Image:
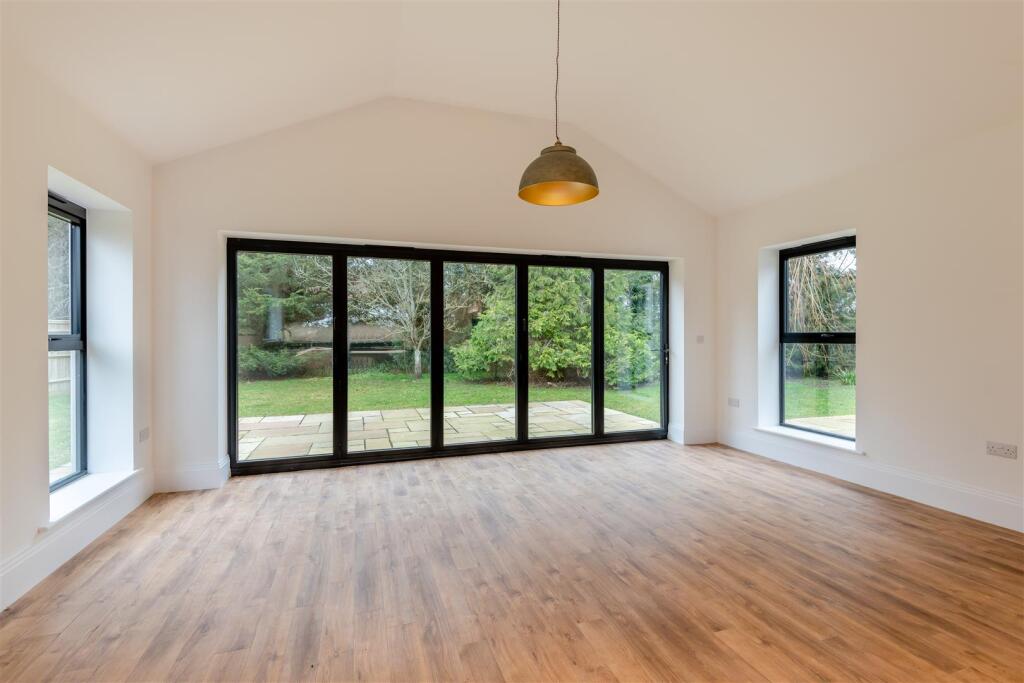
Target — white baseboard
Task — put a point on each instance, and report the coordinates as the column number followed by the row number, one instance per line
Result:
column 971, row 501
column 193, row 478
column 699, row 436
column 675, row 433
column 678, row 434
column 58, row 544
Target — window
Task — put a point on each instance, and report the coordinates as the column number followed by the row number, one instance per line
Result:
column 66, row 341
column 818, row 341
column 437, row 353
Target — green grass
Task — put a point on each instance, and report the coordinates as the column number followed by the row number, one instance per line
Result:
column 819, row 398
column 383, row 391
column 60, row 430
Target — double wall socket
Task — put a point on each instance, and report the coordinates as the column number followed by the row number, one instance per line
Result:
column 1001, row 450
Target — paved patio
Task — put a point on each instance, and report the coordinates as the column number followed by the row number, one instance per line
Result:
column 845, row 425
column 290, row 436
column 60, row 472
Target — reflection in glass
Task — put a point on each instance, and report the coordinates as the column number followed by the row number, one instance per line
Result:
column 821, row 292
column 58, row 270
column 821, row 387
column 560, row 315
column 285, row 349
column 479, row 352
column 388, row 354
column 632, row 350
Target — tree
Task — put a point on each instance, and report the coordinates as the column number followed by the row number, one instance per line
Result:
column 298, row 286
column 559, row 324
column 490, row 348
column 821, row 296
column 58, row 258
column 560, row 316
column 632, row 336
column 394, row 295
column 276, row 290
column 822, row 291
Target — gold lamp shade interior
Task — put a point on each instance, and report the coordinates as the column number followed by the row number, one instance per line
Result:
column 558, row 177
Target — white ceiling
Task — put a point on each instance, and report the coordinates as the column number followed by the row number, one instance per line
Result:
column 728, row 103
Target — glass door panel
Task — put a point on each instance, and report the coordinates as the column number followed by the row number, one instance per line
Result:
column 633, row 350
column 388, row 354
column 479, row 353
column 560, row 302
column 285, row 346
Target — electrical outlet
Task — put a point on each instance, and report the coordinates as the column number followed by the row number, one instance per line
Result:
column 143, row 434
column 734, row 403
column 700, row 338
column 1001, row 450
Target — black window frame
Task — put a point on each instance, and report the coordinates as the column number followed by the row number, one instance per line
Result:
column 787, row 337
column 437, row 258
column 75, row 340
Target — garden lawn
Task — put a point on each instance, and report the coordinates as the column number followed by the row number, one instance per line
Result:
column 60, row 430
column 819, row 398
column 385, row 391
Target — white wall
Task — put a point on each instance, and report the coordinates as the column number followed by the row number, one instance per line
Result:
column 940, row 330
column 110, row 349
column 392, row 170
column 43, row 128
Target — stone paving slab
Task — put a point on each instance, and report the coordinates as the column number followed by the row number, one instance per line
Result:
column 844, row 425
column 290, row 436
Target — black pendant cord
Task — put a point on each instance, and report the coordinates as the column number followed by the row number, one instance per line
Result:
column 558, row 52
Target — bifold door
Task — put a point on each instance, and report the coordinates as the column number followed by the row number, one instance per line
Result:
column 343, row 354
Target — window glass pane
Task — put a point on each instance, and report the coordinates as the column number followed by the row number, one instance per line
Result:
column 632, row 350
column 821, row 292
column 560, row 301
column 479, row 352
column 63, row 402
column 388, row 354
column 819, row 387
column 285, row 355
column 58, row 261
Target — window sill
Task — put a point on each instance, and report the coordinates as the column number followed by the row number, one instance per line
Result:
column 817, row 439
column 67, row 499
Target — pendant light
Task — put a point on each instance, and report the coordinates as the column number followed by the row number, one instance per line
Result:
column 558, row 177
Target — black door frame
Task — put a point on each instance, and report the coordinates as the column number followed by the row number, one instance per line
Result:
column 437, row 258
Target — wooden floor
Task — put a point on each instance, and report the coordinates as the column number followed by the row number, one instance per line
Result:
column 645, row 561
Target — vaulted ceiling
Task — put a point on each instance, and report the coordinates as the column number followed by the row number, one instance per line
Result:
column 727, row 103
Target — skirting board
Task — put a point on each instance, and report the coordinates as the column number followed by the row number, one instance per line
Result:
column 194, row 478
column 57, row 545
column 677, row 434
column 962, row 499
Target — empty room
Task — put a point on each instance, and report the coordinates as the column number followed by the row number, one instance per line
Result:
column 512, row 341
